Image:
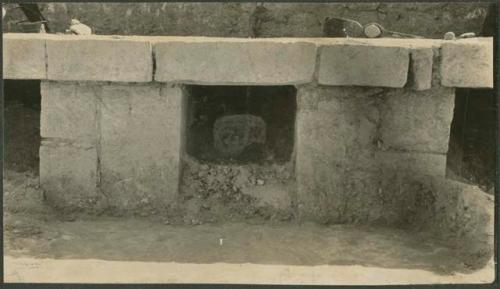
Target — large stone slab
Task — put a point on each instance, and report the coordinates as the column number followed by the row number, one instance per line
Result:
column 467, row 63
column 99, row 59
column 256, row 62
column 24, row 57
column 140, row 144
column 363, row 65
column 69, row 111
column 68, row 174
column 417, row 121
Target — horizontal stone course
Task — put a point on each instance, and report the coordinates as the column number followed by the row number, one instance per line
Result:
column 225, row 61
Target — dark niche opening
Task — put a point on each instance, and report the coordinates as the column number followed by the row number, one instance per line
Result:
column 241, row 124
column 22, row 102
column 472, row 147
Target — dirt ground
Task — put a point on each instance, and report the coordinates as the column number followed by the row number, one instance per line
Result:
column 99, row 271
column 33, row 230
column 286, row 244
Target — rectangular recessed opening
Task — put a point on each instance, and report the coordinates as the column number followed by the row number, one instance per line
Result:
column 22, row 125
column 241, row 124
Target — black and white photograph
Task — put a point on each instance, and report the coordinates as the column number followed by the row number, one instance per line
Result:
column 268, row 143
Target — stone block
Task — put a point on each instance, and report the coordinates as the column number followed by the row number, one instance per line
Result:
column 467, row 63
column 430, row 164
column 24, row 57
column 363, row 65
column 258, row 62
column 417, row 121
column 99, row 59
column 140, row 144
column 69, row 110
column 421, row 68
column 334, row 126
column 68, row 174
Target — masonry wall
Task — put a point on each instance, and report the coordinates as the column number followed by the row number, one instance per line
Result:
column 352, row 143
column 110, row 145
column 371, row 113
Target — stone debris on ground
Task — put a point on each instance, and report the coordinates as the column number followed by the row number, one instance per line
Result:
column 216, row 192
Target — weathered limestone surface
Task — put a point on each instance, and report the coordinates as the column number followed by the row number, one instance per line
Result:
column 126, row 138
column 363, row 65
column 235, row 62
column 421, row 68
column 140, row 144
column 69, row 111
column 431, row 164
column 68, row 174
column 467, row 63
column 24, row 57
column 89, row 59
column 351, row 144
column 417, row 121
column 198, row 60
column 333, row 126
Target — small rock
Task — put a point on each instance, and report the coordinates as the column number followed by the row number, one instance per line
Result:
column 372, row 31
column 204, row 167
column 79, row 28
column 467, row 35
column 260, row 182
column 449, row 35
